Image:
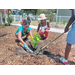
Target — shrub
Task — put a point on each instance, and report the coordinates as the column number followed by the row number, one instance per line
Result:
column 35, row 39
column 64, row 22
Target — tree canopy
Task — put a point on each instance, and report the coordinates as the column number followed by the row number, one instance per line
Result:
column 48, row 12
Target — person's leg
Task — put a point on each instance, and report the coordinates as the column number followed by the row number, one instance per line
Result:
column 26, row 37
column 46, row 33
column 16, row 35
column 41, row 33
column 67, row 50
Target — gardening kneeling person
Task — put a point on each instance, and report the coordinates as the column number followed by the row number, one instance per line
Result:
column 22, row 31
column 45, row 26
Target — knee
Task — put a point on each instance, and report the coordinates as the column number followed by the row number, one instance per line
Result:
column 40, row 32
column 46, row 31
column 16, row 35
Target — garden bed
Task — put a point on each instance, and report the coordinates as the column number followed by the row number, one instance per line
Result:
column 13, row 54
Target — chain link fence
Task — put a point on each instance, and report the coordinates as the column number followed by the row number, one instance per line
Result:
column 62, row 18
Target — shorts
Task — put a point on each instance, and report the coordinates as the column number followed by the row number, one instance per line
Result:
column 71, row 35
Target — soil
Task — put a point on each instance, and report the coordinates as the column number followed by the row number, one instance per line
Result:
column 11, row 53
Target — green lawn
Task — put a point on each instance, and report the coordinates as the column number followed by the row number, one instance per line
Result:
column 35, row 21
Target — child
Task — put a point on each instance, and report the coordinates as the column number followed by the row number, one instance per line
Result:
column 45, row 26
column 22, row 31
column 70, row 38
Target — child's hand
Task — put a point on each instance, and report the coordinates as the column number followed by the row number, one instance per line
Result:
column 46, row 28
column 25, row 45
column 66, row 29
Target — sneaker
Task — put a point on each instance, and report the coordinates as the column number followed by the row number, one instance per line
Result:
column 26, row 39
column 46, row 38
column 64, row 61
column 42, row 38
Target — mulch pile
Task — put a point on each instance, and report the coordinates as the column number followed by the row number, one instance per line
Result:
column 13, row 54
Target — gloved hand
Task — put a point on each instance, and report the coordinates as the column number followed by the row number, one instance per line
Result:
column 25, row 45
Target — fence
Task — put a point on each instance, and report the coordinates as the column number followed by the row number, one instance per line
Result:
column 32, row 17
column 17, row 18
column 1, row 21
column 62, row 18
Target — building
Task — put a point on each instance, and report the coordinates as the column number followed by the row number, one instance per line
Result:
column 63, row 14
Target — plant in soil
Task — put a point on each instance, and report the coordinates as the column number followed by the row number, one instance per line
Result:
column 35, row 40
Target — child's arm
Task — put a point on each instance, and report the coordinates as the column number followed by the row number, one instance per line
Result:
column 38, row 27
column 29, row 33
column 48, row 24
column 70, row 21
column 19, row 37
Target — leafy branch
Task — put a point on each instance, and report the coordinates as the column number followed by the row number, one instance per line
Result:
column 35, row 39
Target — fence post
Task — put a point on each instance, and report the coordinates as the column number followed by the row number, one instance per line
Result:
column 5, row 16
column 1, row 18
column 14, row 18
column 20, row 18
column 59, row 18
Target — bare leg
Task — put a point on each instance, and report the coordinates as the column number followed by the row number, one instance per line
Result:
column 16, row 35
column 67, row 50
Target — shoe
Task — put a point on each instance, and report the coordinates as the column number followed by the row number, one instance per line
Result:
column 46, row 38
column 26, row 39
column 42, row 38
column 64, row 61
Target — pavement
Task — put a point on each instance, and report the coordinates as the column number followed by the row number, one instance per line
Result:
column 51, row 29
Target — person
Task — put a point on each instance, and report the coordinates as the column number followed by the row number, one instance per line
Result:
column 45, row 27
column 28, row 18
column 70, row 37
column 22, row 31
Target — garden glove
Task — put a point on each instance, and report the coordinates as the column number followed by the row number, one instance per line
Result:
column 26, row 47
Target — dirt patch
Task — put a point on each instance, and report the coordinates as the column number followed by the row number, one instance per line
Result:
column 13, row 54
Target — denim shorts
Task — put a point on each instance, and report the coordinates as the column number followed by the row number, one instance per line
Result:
column 71, row 35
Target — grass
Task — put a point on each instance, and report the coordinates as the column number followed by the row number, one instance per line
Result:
column 35, row 21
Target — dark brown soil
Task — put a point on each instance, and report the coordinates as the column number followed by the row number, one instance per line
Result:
column 13, row 54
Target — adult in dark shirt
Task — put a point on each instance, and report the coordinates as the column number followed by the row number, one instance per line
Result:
column 28, row 18
column 70, row 37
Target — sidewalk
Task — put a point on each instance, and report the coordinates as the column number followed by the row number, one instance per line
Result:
column 35, row 27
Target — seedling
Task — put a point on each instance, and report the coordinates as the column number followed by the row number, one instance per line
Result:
column 35, row 40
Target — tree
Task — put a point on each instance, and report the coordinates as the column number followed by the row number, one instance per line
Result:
column 33, row 11
column 3, row 15
column 9, row 12
column 9, row 19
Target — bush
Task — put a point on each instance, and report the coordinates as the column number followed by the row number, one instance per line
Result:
column 35, row 39
column 6, row 24
column 10, row 19
column 64, row 22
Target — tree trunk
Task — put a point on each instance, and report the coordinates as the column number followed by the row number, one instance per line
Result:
column 8, row 18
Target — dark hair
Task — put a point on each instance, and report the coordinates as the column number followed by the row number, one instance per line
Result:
column 25, row 22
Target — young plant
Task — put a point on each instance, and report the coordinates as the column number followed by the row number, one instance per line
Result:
column 64, row 22
column 35, row 39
